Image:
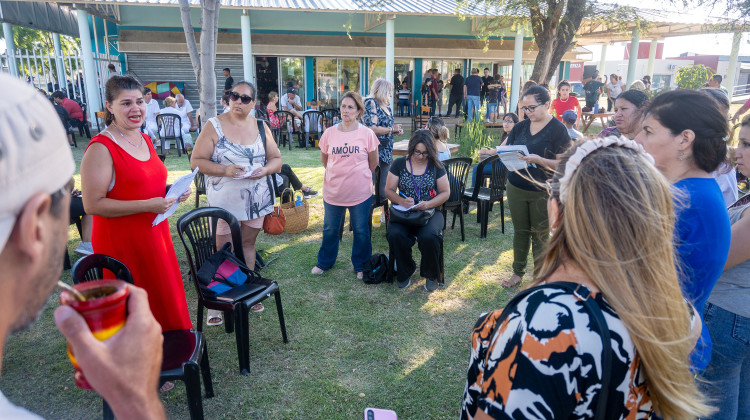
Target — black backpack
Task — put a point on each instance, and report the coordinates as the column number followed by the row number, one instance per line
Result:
column 376, row 270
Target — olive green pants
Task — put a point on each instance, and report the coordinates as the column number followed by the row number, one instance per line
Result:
column 528, row 212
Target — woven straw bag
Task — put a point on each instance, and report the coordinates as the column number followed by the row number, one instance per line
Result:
column 297, row 217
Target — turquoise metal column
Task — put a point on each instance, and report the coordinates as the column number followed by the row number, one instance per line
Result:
column 248, row 65
column 11, row 48
column 417, row 82
column 515, row 84
column 310, row 79
column 633, row 59
column 93, row 100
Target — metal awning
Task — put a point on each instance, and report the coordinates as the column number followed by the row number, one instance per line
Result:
column 51, row 17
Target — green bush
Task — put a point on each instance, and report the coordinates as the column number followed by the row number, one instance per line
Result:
column 693, row 76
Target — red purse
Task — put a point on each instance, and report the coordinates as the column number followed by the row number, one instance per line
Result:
column 274, row 222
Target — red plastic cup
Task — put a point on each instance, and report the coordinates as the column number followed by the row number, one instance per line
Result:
column 105, row 312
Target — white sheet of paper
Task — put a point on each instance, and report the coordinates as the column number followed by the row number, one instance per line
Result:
column 179, row 187
column 402, row 208
column 509, row 157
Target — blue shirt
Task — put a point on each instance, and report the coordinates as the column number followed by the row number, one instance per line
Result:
column 473, row 85
column 703, row 234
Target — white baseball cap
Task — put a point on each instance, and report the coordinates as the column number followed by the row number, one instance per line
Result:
column 34, row 152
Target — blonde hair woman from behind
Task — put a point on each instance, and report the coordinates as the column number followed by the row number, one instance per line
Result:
column 612, row 223
column 440, row 133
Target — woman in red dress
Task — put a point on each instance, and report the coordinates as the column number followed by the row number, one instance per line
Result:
column 124, row 184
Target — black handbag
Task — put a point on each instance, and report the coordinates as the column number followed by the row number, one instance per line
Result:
column 410, row 217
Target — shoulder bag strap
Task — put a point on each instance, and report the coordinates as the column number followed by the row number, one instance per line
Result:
column 270, row 179
column 593, row 308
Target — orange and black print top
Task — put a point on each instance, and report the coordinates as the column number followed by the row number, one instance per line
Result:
column 545, row 362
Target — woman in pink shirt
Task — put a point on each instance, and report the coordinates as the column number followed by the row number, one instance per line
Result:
column 349, row 152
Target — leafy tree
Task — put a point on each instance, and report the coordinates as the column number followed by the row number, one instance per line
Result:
column 693, row 76
column 28, row 39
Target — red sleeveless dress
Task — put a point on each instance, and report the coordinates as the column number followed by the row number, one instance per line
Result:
column 146, row 250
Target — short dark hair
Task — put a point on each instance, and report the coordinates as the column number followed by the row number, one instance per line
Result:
column 512, row 116
column 146, row 90
column 58, row 94
column 718, row 78
column 683, row 109
column 720, row 97
column 540, row 93
column 226, row 69
column 457, row 70
column 486, row 68
column 111, row 66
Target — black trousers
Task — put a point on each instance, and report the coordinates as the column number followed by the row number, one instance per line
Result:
column 401, row 239
column 287, row 171
column 457, row 100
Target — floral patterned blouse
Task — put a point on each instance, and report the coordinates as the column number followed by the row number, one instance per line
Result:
column 273, row 120
column 375, row 116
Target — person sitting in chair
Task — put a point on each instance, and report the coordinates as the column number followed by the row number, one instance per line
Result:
column 418, row 178
column 169, row 108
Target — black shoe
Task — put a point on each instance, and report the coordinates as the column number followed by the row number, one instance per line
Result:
column 310, row 193
column 404, row 284
column 431, row 285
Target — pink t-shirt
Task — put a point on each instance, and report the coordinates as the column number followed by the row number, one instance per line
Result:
column 348, row 179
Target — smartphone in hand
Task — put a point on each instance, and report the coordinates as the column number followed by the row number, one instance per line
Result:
column 379, row 414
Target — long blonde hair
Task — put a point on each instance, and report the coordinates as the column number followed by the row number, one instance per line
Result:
column 382, row 90
column 617, row 226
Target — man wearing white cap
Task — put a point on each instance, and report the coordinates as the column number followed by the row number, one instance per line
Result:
column 36, row 169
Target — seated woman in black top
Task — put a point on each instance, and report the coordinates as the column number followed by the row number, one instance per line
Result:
column 420, row 179
column 545, row 137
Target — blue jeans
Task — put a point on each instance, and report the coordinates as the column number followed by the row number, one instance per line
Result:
column 491, row 109
column 361, row 248
column 404, row 103
column 726, row 380
column 472, row 107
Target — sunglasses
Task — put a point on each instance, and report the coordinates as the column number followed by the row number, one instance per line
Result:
column 530, row 108
column 246, row 99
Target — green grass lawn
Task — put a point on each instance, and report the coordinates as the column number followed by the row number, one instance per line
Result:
column 350, row 346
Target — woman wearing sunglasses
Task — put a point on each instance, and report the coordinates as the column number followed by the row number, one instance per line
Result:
column 545, row 137
column 232, row 155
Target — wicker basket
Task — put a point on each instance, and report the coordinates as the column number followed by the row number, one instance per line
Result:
column 296, row 216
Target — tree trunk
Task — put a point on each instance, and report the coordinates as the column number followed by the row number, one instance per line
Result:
column 203, row 62
column 553, row 35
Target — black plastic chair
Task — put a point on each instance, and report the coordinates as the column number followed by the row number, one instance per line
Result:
column 458, row 172
column 286, row 127
column 313, row 126
column 484, row 196
column 84, row 128
column 377, row 201
column 329, row 116
column 171, row 126
column 199, row 181
column 184, row 352
column 197, row 230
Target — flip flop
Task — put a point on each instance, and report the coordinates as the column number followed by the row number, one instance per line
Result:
column 512, row 281
column 166, row 387
column 216, row 320
column 258, row 307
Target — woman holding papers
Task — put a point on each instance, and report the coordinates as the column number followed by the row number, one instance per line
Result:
column 417, row 181
column 545, row 137
column 232, row 153
column 125, row 183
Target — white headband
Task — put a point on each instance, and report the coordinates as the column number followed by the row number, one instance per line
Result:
column 587, row 148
